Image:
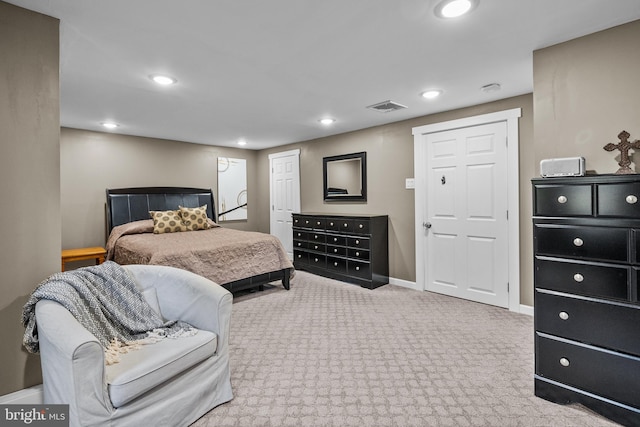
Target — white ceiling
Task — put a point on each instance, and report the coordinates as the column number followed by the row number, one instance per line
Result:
column 268, row 70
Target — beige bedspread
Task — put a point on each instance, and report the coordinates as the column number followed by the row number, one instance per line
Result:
column 219, row 254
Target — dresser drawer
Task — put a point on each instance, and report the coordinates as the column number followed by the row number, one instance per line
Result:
column 602, row 280
column 604, row 373
column 317, row 237
column 605, row 324
column 359, row 242
column 300, row 235
column 336, row 250
column 362, row 254
column 336, row 264
column 318, row 260
column 620, row 200
column 318, row 223
column 359, row 269
column 361, row 226
column 336, row 240
column 316, row 247
column 582, row 242
column 300, row 244
column 300, row 257
column 563, row 200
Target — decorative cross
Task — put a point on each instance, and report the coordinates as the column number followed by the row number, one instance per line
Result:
column 624, row 146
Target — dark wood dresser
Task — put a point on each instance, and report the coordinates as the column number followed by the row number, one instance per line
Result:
column 351, row 248
column 586, row 233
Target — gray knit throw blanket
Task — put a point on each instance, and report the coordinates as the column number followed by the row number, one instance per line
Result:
column 104, row 300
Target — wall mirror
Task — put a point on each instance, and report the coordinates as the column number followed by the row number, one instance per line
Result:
column 345, row 177
column 232, row 189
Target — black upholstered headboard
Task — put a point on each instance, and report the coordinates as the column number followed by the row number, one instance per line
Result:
column 133, row 204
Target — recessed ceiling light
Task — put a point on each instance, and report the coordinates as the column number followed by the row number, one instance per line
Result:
column 327, row 121
column 242, row 142
column 109, row 125
column 430, row 94
column 163, row 80
column 454, row 8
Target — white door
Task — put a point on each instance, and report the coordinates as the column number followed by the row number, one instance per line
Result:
column 285, row 195
column 466, row 205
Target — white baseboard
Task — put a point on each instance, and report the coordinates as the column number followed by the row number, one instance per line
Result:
column 403, row 283
column 26, row 396
column 526, row 309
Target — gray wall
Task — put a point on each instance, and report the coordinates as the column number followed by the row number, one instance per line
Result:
column 586, row 91
column 29, row 178
column 91, row 162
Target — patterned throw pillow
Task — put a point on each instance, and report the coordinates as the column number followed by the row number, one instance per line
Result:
column 167, row 222
column 195, row 218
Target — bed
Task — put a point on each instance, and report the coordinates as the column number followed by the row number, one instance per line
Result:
column 237, row 260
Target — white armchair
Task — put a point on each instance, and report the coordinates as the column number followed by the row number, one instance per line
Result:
column 172, row 382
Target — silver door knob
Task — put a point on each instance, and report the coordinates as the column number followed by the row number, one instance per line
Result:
column 426, row 225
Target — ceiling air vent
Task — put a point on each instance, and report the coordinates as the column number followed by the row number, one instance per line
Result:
column 386, row 106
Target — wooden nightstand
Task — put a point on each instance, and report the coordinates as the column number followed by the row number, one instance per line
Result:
column 81, row 254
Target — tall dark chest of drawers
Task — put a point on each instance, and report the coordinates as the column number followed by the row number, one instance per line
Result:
column 587, row 304
column 351, row 248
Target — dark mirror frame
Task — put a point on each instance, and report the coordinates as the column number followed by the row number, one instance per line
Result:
column 362, row 197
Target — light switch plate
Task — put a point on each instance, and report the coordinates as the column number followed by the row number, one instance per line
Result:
column 410, row 183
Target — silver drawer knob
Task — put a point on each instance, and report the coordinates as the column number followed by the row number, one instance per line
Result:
column 335, row 264
column 631, row 199
column 578, row 277
column 318, row 223
column 361, row 225
column 346, row 225
column 563, row 315
column 335, row 250
column 357, row 242
column 316, row 260
column 562, row 199
column 315, row 247
column 564, row 361
column 335, row 239
column 357, row 268
column 357, row 253
column 331, row 224
column 578, row 241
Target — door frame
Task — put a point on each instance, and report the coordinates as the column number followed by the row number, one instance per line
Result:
column 513, row 192
column 296, row 208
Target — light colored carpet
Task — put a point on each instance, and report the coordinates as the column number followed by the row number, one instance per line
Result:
column 327, row 353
